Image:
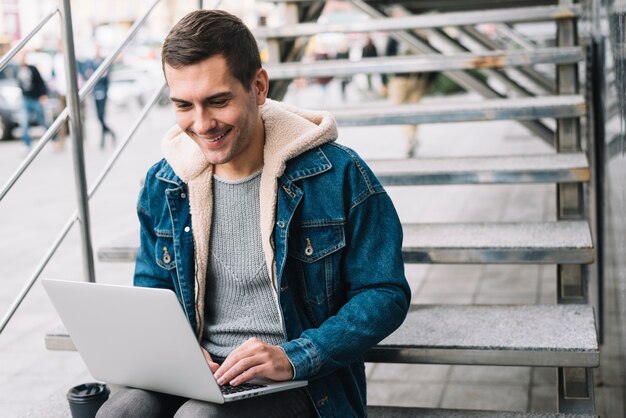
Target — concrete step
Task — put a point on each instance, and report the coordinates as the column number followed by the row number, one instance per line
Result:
column 425, row 63
column 476, row 335
column 119, row 253
column 59, row 340
column 538, row 168
column 562, row 242
column 405, row 412
column 417, row 7
column 506, row 335
column 57, row 406
column 509, row 15
column 446, row 111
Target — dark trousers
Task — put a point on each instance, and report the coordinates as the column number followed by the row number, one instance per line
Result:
column 129, row 402
column 101, row 102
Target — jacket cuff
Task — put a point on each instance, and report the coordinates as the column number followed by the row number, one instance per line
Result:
column 303, row 356
column 293, row 368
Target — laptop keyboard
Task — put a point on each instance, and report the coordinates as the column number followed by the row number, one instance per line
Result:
column 229, row 390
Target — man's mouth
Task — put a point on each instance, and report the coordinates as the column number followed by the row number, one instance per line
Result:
column 217, row 138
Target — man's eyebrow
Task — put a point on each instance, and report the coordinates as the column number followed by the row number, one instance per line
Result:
column 174, row 99
column 217, row 96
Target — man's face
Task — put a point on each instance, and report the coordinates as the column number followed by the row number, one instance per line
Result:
column 217, row 112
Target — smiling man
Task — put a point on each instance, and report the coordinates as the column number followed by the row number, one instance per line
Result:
column 281, row 245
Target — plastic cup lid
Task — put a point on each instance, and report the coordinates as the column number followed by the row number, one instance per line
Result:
column 87, row 391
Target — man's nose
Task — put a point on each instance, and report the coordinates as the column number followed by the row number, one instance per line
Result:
column 203, row 121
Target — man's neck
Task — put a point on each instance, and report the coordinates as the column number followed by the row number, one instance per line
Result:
column 229, row 172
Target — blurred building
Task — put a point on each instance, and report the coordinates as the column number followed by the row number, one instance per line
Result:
column 105, row 21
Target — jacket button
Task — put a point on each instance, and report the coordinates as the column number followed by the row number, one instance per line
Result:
column 309, row 248
column 187, row 229
column 183, row 195
column 166, row 256
column 280, row 224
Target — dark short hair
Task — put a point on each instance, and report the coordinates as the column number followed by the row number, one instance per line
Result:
column 202, row 34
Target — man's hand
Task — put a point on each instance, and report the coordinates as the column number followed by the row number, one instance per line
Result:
column 254, row 358
column 212, row 365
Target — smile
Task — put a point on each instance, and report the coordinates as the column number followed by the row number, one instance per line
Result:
column 220, row 137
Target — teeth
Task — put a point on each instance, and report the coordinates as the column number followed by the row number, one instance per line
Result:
column 219, row 137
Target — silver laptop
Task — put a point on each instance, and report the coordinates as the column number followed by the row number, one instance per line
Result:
column 140, row 337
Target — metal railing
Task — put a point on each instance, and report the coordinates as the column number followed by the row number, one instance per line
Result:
column 72, row 111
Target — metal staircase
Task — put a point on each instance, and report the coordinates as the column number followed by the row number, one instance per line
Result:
column 561, row 335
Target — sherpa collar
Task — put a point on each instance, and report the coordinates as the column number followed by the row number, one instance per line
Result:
column 289, row 131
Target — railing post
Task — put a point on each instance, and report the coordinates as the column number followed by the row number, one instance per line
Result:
column 575, row 385
column 76, row 132
column 596, row 68
column 572, row 278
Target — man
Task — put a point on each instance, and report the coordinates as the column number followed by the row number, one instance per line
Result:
column 100, row 93
column 407, row 88
column 369, row 51
column 281, row 245
column 34, row 91
column 344, row 54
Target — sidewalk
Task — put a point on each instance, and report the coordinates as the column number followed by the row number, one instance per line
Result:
column 34, row 212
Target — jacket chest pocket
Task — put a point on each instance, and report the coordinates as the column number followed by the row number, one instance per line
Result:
column 316, row 251
column 164, row 250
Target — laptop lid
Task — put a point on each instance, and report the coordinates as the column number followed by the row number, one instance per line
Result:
column 139, row 337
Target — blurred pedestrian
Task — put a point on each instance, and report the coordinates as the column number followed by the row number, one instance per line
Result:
column 406, row 88
column 59, row 86
column 369, row 51
column 34, row 92
column 344, row 54
column 322, row 55
column 100, row 92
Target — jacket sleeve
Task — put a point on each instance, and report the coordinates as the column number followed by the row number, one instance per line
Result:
column 378, row 294
column 147, row 272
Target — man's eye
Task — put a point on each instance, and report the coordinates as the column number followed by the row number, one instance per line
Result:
column 182, row 106
column 220, row 103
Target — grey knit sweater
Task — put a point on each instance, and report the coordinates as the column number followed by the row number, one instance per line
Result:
column 239, row 300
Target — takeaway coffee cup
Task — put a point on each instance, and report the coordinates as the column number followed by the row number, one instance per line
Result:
column 86, row 399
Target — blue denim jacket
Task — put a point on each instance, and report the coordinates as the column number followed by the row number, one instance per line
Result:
column 337, row 241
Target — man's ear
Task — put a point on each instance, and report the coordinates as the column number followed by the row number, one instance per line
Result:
column 260, row 86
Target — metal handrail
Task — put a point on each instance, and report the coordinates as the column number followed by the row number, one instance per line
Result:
column 144, row 112
column 74, row 217
column 6, row 58
column 55, row 126
column 45, row 138
column 106, row 64
column 78, row 152
column 84, row 91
